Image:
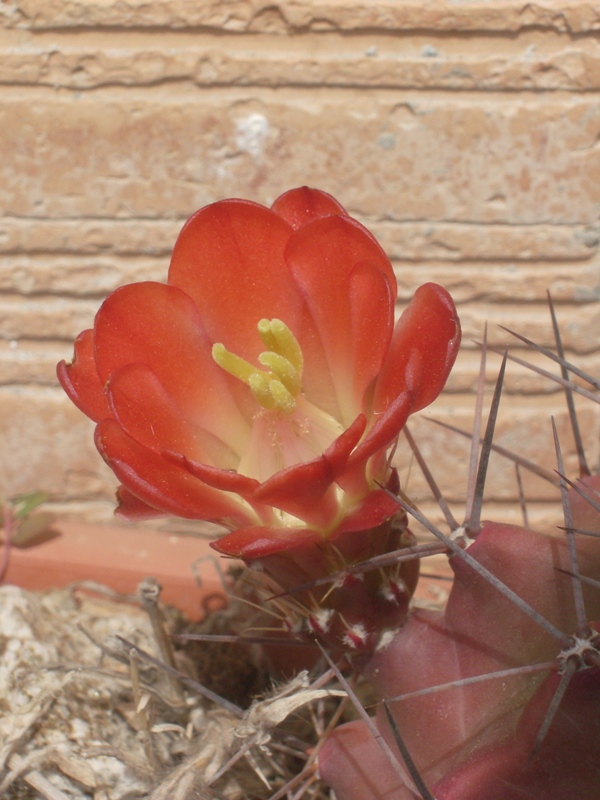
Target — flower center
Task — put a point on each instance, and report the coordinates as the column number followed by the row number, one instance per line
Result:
column 277, row 387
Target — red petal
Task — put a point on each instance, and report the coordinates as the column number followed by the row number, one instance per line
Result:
column 301, row 490
column 161, row 484
column 423, row 349
column 225, row 480
column 147, row 412
column 300, row 206
column 258, row 542
column 229, row 259
column 80, row 379
column 349, row 287
column 384, row 431
column 294, row 556
column 132, row 508
column 375, row 508
column 159, row 326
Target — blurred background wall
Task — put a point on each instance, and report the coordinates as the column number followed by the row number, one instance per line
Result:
column 466, row 135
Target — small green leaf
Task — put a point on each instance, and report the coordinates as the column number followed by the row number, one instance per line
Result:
column 31, row 529
column 26, row 503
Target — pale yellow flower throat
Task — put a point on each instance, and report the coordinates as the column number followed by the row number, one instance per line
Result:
column 277, row 387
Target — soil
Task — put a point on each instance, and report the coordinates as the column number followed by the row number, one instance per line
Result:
column 86, row 714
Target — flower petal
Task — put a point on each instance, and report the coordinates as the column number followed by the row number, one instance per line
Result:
column 229, row 260
column 349, row 287
column 80, row 379
column 383, row 433
column 376, row 507
column 259, row 542
column 163, row 485
column 132, row 508
column 301, row 490
column 225, row 480
column 147, row 412
column 158, row 325
column 423, row 349
column 300, row 206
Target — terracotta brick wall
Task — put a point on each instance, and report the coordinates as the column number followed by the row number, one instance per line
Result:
column 464, row 134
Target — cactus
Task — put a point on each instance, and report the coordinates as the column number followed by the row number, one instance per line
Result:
column 287, row 444
column 497, row 697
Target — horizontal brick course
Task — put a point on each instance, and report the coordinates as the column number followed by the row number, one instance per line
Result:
column 409, row 241
column 538, row 60
column 287, row 16
column 530, row 161
column 465, row 135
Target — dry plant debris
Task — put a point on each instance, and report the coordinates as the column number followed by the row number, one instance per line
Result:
column 88, row 711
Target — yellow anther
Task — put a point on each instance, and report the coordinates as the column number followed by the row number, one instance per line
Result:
column 287, row 344
column 231, row 363
column 277, row 388
column 284, row 369
column 284, row 400
column 278, row 338
column 260, row 387
column 266, row 334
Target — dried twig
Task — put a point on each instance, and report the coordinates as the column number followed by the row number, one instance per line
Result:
column 22, row 768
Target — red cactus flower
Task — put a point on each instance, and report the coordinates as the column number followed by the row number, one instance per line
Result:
column 263, row 385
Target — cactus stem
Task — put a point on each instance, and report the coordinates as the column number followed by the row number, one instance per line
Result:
column 484, row 573
column 364, row 715
column 583, row 578
column 279, row 614
column 406, row 757
column 356, row 635
column 387, row 559
column 546, row 666
column 562, row 687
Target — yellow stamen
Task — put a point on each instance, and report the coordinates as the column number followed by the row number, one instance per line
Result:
column 284, row 400
column 260, row 387
column 231, row 363
column 266, row 334
column 287, row 344
column 284, row 369
column 277, row 388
